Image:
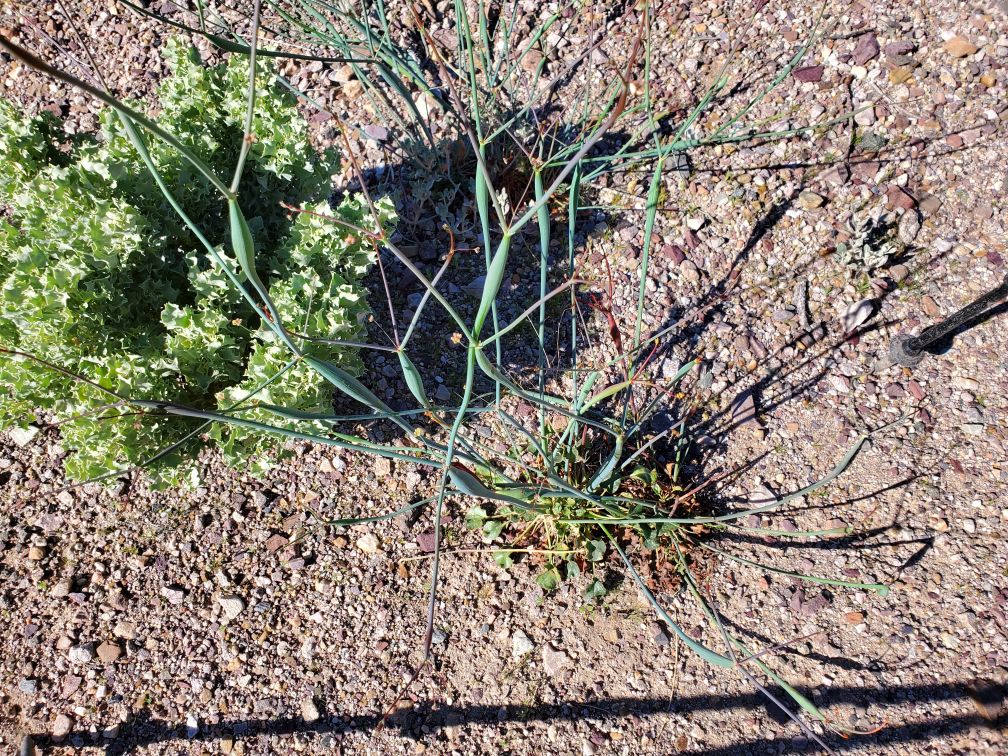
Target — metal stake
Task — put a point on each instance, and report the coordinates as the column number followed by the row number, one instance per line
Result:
column 909, row 350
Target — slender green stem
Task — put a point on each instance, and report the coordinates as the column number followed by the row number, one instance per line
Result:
column 32, row 60
column 248, row 136
column 544, row 243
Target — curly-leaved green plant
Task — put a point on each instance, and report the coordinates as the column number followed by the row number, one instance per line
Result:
column 100, row 276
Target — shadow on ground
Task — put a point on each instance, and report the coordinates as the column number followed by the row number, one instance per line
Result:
column 966, row 699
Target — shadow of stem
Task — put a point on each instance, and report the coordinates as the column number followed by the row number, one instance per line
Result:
column 427, row 720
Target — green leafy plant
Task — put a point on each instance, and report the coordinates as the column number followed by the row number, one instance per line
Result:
column 573, row 480
column 100, row 276
column 871, row 243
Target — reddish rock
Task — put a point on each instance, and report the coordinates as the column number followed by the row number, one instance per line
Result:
column 866, row 170
column 275, row 542
column 426, row 541
column 900, row 197
column 808, row 74
column 109, row 652
column 959, row 47
column 895, row 391
column 376, row 132
column 929, row 205
column 692, row 240
column 674, row 253
column 899, row 47
column 838, row 175
column 866, row 49
column 930, row 307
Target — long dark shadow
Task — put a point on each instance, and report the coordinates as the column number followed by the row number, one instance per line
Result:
column 144, row 731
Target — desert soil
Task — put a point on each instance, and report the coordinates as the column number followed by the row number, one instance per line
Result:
column 231, row 619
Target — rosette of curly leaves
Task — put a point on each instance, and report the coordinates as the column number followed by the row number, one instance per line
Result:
column 99, row 275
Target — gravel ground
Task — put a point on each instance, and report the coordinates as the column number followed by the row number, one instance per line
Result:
column 229, row 619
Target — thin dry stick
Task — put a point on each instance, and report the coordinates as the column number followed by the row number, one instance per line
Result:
column 444, row 552
column 374, row 213
column 332, row 219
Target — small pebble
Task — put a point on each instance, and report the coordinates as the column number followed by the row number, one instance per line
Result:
column 520, row 644
column 61, row 726
column 368, row 543
column 309, row 711
column 232, row 606
column 109, row 652
column 554, row 660
column 959, row 47
column 810, row 200
column 81, row 654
